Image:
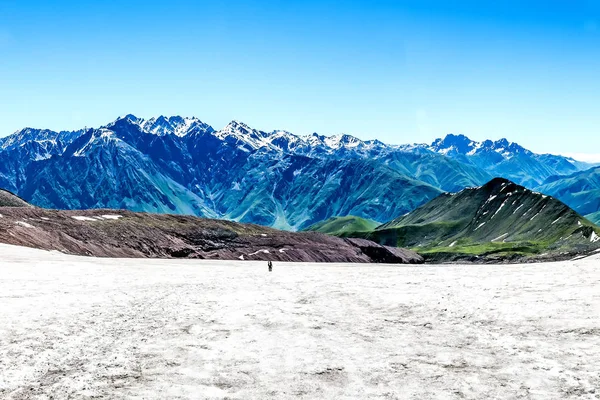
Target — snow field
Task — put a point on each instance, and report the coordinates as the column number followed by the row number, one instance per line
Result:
column 75, row 327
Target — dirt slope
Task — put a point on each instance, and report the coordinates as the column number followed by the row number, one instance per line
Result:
column 110, row 233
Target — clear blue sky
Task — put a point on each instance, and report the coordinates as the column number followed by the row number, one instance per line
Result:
column 399, row 71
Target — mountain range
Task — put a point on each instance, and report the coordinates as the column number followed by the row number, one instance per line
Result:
column 278, row 179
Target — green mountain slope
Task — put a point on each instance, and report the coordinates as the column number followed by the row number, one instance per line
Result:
column 500, row 218
column 340, row 226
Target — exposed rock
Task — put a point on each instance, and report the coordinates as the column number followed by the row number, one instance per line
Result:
column 111, row 233
column 386, row 254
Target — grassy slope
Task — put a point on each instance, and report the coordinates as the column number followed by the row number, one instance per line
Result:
column 341, row 226
column 501, row 219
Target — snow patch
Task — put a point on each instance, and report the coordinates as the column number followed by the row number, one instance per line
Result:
column 499, row 208
column 491, row 198
column 112, row 216
column 517, row 209
column 500, row 237
column 82, row 218
column 259, row 251
column 24, row 224
column 538, row 213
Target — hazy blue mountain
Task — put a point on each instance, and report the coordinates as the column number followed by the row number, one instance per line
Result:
column 506, row 159
column 594, row 217
column 580, row 190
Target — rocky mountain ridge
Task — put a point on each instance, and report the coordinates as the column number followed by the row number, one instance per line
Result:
column 183, row 165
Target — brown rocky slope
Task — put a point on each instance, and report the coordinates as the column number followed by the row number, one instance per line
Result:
column 111, row 233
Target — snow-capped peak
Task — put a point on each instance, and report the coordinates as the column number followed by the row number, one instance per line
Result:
column 161, row 126
column 462, row 145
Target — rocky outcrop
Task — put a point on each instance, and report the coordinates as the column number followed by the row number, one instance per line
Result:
column 386, row 254
column 111, row 233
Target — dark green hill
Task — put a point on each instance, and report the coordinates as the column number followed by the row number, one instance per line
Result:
column 500, row 218
column 341, row 226
column 7, row 199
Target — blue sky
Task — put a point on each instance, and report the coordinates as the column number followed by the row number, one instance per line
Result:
column 399, row 71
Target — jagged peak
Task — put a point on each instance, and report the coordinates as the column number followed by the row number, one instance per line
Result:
column 163, row 125
column 461, row 144
column 236, row 124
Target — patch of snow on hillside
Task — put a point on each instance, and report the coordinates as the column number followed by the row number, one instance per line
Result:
column 594, row 238
column 82, row 218
column 452, row 244
column 259, row 251
column 24, row 224
column 517, row 209
column 480, row 225
column 539, row 212
column 556, row 220
column 500, row 237
column 499, row 208
column 491, row 198
column 111, row 216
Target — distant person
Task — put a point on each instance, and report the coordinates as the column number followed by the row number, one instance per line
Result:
column 270, row 264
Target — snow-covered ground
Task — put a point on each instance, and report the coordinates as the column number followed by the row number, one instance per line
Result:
column 80, row 328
